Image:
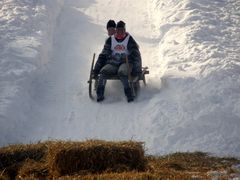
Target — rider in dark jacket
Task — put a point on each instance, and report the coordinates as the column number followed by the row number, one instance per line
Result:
column 134, row 53
column 101, row 61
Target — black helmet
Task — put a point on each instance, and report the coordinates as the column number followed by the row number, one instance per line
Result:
column 121, row 24
column 111, row 24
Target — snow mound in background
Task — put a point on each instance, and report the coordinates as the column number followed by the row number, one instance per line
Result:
column 200, row 53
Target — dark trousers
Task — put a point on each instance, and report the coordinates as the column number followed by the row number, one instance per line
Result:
column 108, row 70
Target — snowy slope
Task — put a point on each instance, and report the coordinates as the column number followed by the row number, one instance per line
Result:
column 192, row 47
column 26, row 34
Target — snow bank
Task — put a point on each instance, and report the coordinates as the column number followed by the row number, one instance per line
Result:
column 26, row 34
column 198, row 106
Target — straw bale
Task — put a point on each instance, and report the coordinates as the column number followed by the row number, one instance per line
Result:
column 18, row 153
column 95, row 156
column 12, row 157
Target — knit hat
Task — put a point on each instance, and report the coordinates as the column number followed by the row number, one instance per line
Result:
column 121, row 24
column 111, row 24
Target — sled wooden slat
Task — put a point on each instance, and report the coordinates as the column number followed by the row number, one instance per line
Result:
column 140, row 77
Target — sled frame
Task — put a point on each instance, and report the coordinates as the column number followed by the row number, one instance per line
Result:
column 134, row 81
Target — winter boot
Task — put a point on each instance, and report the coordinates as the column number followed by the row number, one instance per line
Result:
column 129, row 95
column 100, row 93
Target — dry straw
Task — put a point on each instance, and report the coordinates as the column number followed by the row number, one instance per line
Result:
column 96, row 159
column 94, row 156
column 33, row 169
column 13, row 157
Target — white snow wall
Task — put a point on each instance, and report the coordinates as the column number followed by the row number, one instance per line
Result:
column 27, row 28
column 198, row 107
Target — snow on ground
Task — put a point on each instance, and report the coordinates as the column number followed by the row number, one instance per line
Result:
column 192, row 47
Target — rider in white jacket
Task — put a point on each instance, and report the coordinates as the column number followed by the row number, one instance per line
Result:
column 117, row 48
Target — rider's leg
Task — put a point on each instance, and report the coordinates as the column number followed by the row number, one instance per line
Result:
column 107, row 70
column 123, row 73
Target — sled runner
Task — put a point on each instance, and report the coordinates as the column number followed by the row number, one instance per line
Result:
column 134, row 81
